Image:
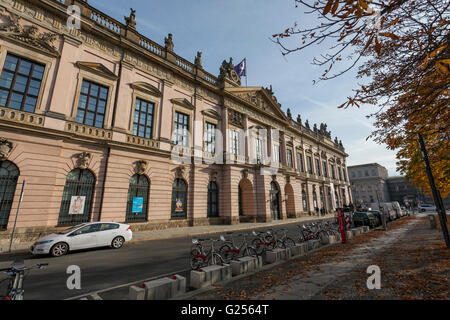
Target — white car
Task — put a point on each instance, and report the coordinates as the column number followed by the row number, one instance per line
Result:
column 84, row 236
column 426, row 207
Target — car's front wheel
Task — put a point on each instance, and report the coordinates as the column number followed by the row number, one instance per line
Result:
column 117, row 242
column 59, row 249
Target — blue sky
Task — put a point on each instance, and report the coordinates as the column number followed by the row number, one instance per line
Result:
column 243, row 29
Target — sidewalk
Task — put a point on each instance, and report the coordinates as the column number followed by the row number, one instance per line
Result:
column 414, row 265
column 190, row 231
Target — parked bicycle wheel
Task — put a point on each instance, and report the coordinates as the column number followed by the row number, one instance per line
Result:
column 259, row 245
column 196, row 263
column 289, row 242
column 215, row 259
column 251, row 252
column 227, row 253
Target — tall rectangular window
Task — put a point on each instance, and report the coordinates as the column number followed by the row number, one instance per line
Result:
column 310, row 164
column 276, row 153
column 210, row 137
column 325, row 169
column 259, row 153
column 181, row 133
column 92, row 104
column 318, row 167
column 20, row 83
column 340, row 173
column 234, row 142
column 333, row 172
column 143, row 119
column 290, row 163
column 301, row 166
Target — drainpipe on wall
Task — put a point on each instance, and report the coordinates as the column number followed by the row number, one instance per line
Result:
column 108, row 151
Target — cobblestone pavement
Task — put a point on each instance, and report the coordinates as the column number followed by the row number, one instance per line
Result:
column 412, row 257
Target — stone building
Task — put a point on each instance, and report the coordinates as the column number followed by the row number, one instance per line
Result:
column 402, row 191
column 105, row 124
column 368, row 183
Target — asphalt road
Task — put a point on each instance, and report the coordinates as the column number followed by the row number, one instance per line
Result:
column 105, row 268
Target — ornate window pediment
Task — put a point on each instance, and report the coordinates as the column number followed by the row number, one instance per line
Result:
column 183, row 102
column 212, row 114
column 146, row 88
column 97, row 68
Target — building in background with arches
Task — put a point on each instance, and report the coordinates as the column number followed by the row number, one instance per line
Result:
column 91, row 119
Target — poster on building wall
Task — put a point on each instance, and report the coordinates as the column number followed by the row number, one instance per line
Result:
column 333, row 196
column 138, row 205
column 179, row 206
column 77, row 205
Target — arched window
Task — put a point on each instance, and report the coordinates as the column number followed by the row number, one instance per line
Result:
column 305, row 203
column 213, row 200
column 179, row 199
column 137, row 201
column 9, row 173
column 76, row 203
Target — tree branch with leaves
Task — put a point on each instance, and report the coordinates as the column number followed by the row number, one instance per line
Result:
column 400, row 49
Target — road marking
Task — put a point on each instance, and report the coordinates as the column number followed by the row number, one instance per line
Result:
column 96, row 293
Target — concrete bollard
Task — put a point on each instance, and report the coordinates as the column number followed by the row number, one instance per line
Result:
column 244, row 265
column 328, row 239
column 160, row 289
column 313, row 244
column 178, row 286
column 365, row 229
column 199, row 279
column 349, row 234
column 210, row 275
column 136, row 293
column 275, row 255
column 433, row 223
column 227, row 272
column 356, row 231
column 299, row 250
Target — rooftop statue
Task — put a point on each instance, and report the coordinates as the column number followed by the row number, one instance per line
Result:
column 169, row 42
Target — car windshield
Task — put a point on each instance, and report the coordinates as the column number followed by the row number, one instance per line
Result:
column 373, row 211
column 68, row 230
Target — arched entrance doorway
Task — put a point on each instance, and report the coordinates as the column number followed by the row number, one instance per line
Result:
column 275, row 201
column 246, row 199
column 9, row 173
column 179, row 199
column 290, row 201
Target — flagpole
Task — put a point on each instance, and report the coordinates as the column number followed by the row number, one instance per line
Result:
column 246, row 84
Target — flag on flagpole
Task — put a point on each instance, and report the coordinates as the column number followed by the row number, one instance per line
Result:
column 241, row 68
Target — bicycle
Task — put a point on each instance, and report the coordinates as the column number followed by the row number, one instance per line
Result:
column 283, row 241
column 231, row 251
column 308, row 233
column 262, row 242
column 16, row 273
column 201, row 258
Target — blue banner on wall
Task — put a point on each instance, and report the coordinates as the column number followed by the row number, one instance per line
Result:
column 138, row 204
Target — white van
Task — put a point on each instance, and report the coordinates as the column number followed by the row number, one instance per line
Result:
column 396, row 207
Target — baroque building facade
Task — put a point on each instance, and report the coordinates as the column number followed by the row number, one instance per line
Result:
column 100, row 120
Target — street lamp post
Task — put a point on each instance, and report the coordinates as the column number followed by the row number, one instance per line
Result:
column 436, row 196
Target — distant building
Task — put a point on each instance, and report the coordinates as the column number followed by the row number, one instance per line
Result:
column 368, row 183
column 404, row 192
column 367, row 179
